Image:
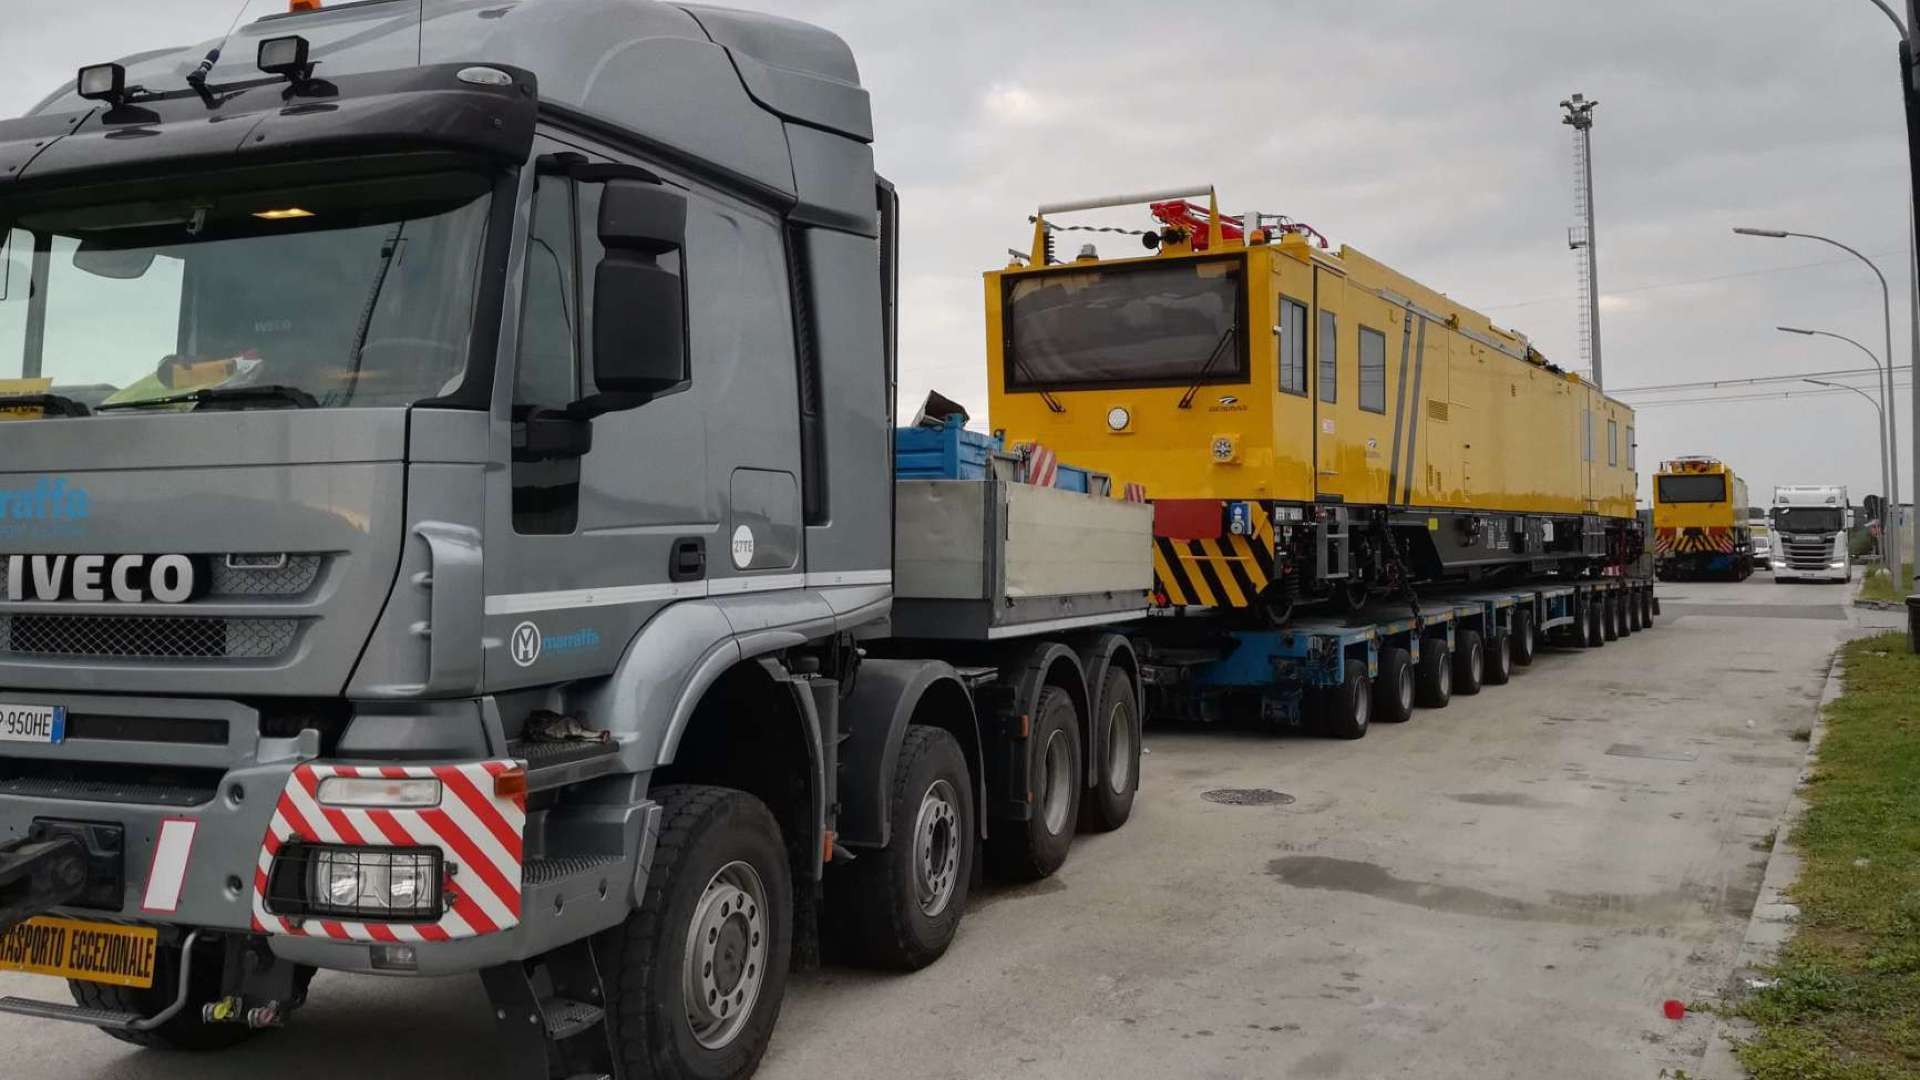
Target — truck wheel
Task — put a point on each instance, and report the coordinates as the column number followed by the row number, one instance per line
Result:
column 1523, row 638
column 186, row 1031
column 1622, row 624
column 903, row 903
column 1346, row 709
column 695, row 975
column 1634, row 625
column 1032, row 849
column 1435, row 681
column 1609, row 619
column 1109, row 803
column 1499, row 664
column 1469, row 661
column 1595, row 638
column 1393, row 690
column 1646, row 608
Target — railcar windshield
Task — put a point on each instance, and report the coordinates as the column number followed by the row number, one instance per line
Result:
column 1692, row 488
column 337, row 295
column 1172, row 323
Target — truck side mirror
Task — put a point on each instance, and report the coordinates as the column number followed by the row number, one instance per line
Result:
column 639, row 306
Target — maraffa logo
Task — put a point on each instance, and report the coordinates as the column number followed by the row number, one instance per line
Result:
column 49, row 499
column 527, row 644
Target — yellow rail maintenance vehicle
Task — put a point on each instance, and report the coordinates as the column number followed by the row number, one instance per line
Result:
column 1701, row 524
column 1308, row 423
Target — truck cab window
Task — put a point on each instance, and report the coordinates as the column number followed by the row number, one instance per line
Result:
column 547, row 375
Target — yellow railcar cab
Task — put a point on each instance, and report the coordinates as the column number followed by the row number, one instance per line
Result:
column 1701, row 524
column 1306, row 420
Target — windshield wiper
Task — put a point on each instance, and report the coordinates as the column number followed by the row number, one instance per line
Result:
column 1219, row 350
column 48, row 404
column 272, row 392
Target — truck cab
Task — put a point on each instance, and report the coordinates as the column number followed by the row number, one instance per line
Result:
column 1810, row 522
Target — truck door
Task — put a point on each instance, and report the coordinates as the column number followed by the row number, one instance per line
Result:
column 581, row 550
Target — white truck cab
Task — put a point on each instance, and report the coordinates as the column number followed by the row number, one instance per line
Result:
column 1810, row 533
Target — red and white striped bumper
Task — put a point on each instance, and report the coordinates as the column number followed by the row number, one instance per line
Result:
column 478, row 833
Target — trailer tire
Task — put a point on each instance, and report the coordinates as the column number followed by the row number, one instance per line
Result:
column 1393, row 691
column 1346, row 709
column 1594, row 636
column 903, row 902
column 1647, row 607
column 1032, row 849
column 1109, row 803
column 1469, row 661
column 1435, row 673
column 717, row 846
column 1634, row 622
column 1498, row 669
column 186, row 1031
column 1524, row 641
column 1609, row 619
column 1622, row 624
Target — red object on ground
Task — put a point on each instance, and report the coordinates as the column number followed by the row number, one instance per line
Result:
column 1675, row 1010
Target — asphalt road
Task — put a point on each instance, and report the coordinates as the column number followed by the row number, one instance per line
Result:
column 1508, row 887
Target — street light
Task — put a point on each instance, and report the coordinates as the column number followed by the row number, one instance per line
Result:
column 1886, row 316
column 1883, row 444
column 1887, row 460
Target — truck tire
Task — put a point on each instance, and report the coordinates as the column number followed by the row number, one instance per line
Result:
column 1609, row 618
column 718, row 916
column 1622, row 623
column 1346, row 709
column 903, row 903
column 1469, row 661
column 1109, row 802
column 1032, row 849
column 1594, row 637
column 1524, row 641
column 186, row 1031
column 1435, row 673
column 1499, row 664
column 1393, row 690
column 1634, row 622
column 1647, row 609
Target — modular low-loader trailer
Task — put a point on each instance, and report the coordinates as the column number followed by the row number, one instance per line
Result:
column 451, row 525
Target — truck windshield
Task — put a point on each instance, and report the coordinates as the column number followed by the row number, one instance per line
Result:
column 1147, row 324
column 1806, row 519
column 1692, row 488
column 336, row 295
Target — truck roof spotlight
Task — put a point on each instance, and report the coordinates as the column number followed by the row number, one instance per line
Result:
column 102, row 82
column 286, row 57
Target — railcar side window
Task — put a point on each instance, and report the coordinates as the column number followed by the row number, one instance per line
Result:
column 1613, row 442
column 1373, row 370
column 1329, row 356
column 1630, row 446
column 1293, row 346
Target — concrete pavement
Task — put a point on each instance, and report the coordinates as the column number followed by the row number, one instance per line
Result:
column 1508, row 887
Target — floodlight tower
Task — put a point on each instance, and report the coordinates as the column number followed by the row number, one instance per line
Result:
column 1580, row 236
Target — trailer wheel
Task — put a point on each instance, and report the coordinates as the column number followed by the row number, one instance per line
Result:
column 1032, row 849
column 1346, row 709
column 1109, row 803
column 1621, row 627
column 1609, row 618
column 1435, row 673
column 1523, row 643
column 186, row 1031
column 903, row 902
column 1634, row 622
column 1469, row 661
column 695, row 975
column 1393, row 690
column 1595, row 637
column 1499, row 665
column 1647, row 608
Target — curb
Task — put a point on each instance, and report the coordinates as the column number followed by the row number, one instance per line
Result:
column 1774, row 914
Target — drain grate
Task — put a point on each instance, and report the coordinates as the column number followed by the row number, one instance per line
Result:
column 1257, row 796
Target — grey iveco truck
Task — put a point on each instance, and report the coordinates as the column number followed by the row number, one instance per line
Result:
column 450, row 524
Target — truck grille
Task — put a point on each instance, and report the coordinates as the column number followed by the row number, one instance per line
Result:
column 1800, row 555
column 146, row 637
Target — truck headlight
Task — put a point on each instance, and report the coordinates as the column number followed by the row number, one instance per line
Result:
column 1837, row 565
column 373, row 883
column 379, row 791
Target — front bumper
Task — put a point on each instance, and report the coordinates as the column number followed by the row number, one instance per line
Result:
column 203, row 819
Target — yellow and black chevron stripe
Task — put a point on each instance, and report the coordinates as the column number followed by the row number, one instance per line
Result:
column 1688, row 541
column 1226, row 572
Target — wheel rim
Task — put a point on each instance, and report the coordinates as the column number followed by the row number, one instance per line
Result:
column 1119, row 749
column 1446, row 679
column 1056, row 772
column 726, row 961
column 1406, row 688
column 936, row 848
column 1477, row 662
column 1362, row 709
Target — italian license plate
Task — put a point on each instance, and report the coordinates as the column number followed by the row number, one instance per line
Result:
column 87, row 951
column 33, row 723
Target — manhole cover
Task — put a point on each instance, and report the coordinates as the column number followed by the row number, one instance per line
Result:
column 1240, row 796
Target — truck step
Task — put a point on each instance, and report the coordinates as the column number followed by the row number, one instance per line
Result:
column 567, row 1018
column 557, row 764
column 539, row 872
column 73, row 1014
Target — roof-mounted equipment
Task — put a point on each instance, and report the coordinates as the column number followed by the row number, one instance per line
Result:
column 102, row 82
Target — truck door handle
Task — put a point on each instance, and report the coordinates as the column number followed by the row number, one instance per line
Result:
column 689, row 562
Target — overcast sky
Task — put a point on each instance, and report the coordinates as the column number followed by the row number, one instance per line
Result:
column 1424, row 133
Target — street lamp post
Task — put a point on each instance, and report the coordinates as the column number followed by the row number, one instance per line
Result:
column 1886, row 313
column 1884, row 450
column 1887, row 453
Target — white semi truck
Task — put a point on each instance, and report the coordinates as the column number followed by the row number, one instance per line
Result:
column 1810, row 533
